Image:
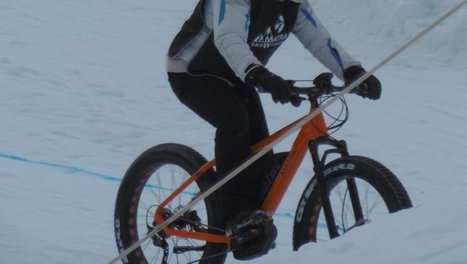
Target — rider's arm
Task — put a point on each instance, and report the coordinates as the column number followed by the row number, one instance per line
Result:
column 315, row 37
column 230, row 27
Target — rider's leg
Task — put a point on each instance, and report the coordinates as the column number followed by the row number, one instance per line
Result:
column 237, row 114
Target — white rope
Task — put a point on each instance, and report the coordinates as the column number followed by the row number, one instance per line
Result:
column 297, row 126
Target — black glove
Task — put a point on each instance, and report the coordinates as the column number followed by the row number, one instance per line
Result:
column 281, row 90
column 370, row 88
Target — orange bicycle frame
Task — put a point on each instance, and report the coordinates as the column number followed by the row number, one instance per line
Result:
column 314, row 129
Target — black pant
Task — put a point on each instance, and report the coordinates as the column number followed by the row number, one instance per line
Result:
column 237, row 114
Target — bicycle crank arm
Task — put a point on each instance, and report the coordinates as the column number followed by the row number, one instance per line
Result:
column 183, row 249
column 209, row 257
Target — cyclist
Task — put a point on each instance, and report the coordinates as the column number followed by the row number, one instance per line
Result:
column 215, row 62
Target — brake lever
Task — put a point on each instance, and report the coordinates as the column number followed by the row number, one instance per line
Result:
column 324, row 82
column 360, row 90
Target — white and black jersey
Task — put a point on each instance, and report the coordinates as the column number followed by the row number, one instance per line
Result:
column 225, row 37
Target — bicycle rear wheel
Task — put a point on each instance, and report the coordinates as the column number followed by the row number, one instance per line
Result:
column 152, row 177
column 377, row 192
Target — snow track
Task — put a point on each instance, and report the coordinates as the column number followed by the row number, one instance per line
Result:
column 82, row 85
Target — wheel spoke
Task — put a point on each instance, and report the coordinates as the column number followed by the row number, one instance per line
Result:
column 148, row 182
column 355, row 185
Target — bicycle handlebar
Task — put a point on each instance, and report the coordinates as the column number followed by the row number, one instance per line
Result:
column 322, row 86
column 315, row 91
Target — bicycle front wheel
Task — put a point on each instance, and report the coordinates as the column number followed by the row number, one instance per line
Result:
column 360, row 191
column 152, row 177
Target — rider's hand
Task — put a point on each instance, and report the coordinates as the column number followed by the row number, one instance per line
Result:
column 280, row 89
column 370, row 88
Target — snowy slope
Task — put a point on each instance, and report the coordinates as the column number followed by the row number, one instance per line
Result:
column 83, row 91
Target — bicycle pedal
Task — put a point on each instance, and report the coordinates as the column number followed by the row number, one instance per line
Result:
column 247, row 235
column 253, row 236
column 243, row 224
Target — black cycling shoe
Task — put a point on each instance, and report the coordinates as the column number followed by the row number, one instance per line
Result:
column 252, row 235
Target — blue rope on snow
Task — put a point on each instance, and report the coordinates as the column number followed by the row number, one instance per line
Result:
column 76, row 170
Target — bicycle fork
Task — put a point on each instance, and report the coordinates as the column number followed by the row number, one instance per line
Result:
column 339, row 147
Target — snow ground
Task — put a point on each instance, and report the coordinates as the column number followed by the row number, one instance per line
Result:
column 83, row 92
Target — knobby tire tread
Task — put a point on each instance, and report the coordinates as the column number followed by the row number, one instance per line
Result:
column 377, row 175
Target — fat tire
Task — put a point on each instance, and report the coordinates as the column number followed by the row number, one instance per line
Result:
column 365, row 169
